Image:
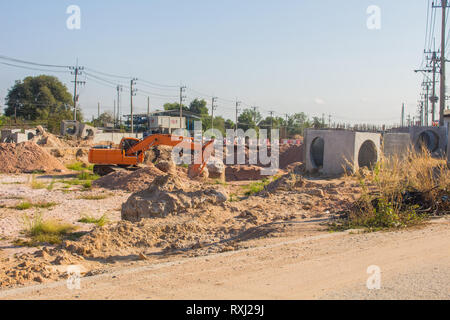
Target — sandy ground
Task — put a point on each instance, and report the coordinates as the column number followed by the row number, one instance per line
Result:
column 69, row 208
column 297, row 258
column 304, row 264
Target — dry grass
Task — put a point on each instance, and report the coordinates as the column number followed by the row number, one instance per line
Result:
column 44, row 232
column 36, row 184
column 94, row 197
column 103, row 220
column 28, row 205
column 400, row 192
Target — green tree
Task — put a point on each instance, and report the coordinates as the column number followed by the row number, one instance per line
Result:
column 229, row 124
column 297, row 124
column 42, row 98
column 219, row 124
column 174, row 106
column 3, row 120
column 104, row 119
column 277, row 123
column 199, row 107
column 318, row 123
column 249, row 119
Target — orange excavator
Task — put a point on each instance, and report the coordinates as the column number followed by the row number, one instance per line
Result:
column 130, row 153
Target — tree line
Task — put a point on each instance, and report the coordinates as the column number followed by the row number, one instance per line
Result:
column 47, row 100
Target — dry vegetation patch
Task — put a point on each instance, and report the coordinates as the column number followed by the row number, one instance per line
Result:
column 399, row 193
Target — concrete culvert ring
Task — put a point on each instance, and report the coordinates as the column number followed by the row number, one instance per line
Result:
column 317, row 152
column 368, row 155
column 428, row 140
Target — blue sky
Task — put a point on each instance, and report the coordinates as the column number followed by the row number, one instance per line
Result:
column 288, row 56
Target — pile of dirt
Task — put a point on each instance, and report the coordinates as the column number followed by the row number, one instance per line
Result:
column 158, row 153
column 134, row 238
column 49, row 141
column 27, row 157
column 167, row 166
column 40, row 266
column 290, row 154
column 243, row 173
column 169, row 195
column 129, row 181
column 70, row 155
column 296, row 167
column 287, row 182
column 216, row 169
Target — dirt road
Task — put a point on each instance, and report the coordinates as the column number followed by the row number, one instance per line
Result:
column 414, row 264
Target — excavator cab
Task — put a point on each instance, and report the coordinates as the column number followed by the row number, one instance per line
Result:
column 128, row 143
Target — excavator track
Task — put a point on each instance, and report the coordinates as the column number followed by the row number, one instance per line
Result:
column 103, row 170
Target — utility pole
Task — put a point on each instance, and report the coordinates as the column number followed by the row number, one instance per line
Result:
column 271, row 119
column 76, row 71
column 98, row 110
column 114, row 115
column 444, row 6
column 213, row 107
column 287, row 126
column 132, row 94
column 434, row 98
column 420, row 110
column 119, row 90
column 329, row 120
column 182, row 97
column 148, row 113
column 427, row 96
column 443, row 45
column 255, row 109
column 238, row 103
column 421, row 113
column 403, row 115
column 431, row 68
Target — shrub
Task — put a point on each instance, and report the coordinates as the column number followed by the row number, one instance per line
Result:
column 40, row 231
column 256, row 187
column 23, row 206
column 103, row 220
column 36, row 184
column 399, row 192
column 79, row 166
column 87, row 176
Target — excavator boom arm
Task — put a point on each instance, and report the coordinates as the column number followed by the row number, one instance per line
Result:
column 133, row 154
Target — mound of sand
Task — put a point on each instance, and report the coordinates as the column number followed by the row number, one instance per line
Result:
column 27, row 157
column 158, row 153
column 168, row 195
column 243, row 173
column 287, row 182
column 290, row 154
column 132, row 182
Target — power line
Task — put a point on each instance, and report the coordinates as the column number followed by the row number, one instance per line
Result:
column 101, row 79
column 31, row 63
column 108, row 74
column 30, row 68
column 157, row 94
